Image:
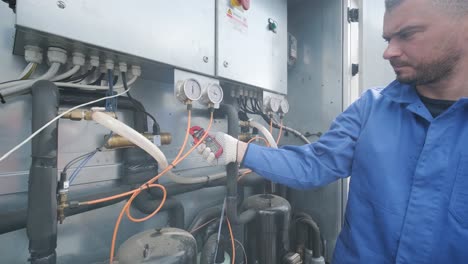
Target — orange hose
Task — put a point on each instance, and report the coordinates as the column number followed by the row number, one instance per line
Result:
column 150, row 184
column 257, row 137
column 126, row 209
column 271, row 125
column 280, row 132
column 233, row 260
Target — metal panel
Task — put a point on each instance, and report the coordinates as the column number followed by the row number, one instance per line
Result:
column 375, row 71
column 177, row 32
column 316, row 97
column 247, row 51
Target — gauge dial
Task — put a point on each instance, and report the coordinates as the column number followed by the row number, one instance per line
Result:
column 274, row 104
column 189, row 89
column 284, row 106
column 215, row 93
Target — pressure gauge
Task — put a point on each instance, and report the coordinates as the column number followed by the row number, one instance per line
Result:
column 272, row 104
column 284, row 106
column 213, row 95
column 189, row 89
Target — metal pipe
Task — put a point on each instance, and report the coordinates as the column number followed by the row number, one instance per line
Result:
column 313, row 231
column 232, row 172
column 41, row 221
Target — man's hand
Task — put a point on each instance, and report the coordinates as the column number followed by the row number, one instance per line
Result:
column 229, row 145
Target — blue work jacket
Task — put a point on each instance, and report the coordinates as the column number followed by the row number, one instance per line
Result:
column 408, row 196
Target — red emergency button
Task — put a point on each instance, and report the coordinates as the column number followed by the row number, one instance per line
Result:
column 245, row 4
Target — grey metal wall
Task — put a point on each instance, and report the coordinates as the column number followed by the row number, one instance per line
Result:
column 316, row 91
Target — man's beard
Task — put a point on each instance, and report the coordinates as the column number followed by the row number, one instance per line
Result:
column 430, row 72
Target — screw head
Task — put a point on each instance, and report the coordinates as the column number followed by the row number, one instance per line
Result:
column 205, row 59
column 61, row 4
column 226, row 64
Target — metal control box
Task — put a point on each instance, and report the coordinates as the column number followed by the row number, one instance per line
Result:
column 252, row 44
column 177, row 32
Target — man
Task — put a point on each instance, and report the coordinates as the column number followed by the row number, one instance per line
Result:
column 405, row 146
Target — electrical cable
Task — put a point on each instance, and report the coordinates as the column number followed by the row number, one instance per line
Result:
column 80, row 167
column 59, row 116
column 156, row 127
column 218, row 238
column 87, row 158
column 280, row 131
column 80, row 78
column 98, row 80
column 203, row 225
column 243, row 250
column 67, row 74
column 233, row 258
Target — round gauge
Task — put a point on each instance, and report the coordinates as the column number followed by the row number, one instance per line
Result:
column 189, row 89
column 275, row 104
column 284, row 106
column 215, row 93
column 272, row 104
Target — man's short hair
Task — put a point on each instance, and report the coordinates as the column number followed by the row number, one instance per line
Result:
column 454, row 6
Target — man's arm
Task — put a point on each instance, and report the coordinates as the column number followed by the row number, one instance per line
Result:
column 313, row 165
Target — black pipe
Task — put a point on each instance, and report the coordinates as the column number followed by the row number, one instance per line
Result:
column 145, row 204
column 41, row 221
column 16, row 220
column 232, row 171
column 209, row 250
column 311, row 228
column 77, row 97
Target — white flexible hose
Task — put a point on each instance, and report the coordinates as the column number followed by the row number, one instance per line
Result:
column 62, row 114
column 265, row 133
column 26, row 70
column 21, row 86
column 67, row 74
column 136, row 138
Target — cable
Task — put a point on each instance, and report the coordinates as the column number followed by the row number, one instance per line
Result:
column 80, row 167
column 156, row 127
column 203, row 225
column 67, row 74
column 218, row 238
column 280, row 132
column 243, row 250
column 98, row 80
column 93, row 87
column 80, row 78
column 233, row 259
column 58, row 117
column 18, row 87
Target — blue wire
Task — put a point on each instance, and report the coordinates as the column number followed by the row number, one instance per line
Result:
column 111, row 104
column 80, row 167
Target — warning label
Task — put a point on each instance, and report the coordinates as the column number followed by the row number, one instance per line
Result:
column 237, row 17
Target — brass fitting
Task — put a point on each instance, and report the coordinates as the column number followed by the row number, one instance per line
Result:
column 62, row 204
column 244, row 123
column 117, row 141
column 245, row 137
column 78, row 115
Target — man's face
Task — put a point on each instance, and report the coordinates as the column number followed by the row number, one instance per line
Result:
column 424, row 43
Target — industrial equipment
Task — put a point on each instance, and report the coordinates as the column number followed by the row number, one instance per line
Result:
column 104, row 104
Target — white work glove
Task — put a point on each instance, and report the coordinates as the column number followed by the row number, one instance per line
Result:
column 229, row 145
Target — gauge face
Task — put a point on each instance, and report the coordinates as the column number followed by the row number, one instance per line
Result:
column 284, row 106
column 215, row 93
column 192, row 89
column 274, row 104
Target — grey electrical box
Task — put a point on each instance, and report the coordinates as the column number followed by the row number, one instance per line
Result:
column 177, row 32
column 252, row 43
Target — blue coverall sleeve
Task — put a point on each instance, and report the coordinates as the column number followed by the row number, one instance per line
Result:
column 316, row 164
